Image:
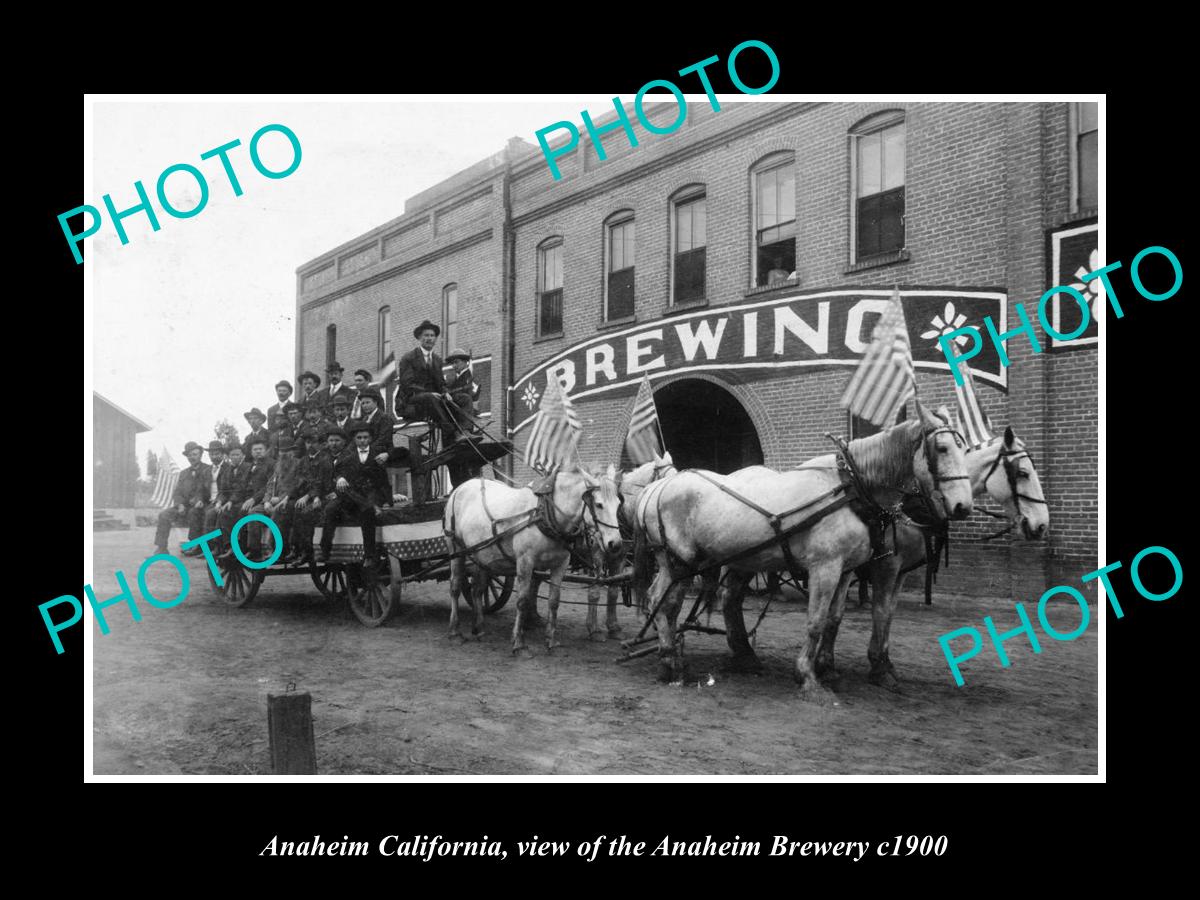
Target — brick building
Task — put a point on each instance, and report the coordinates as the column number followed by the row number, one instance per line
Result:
column 740, row 263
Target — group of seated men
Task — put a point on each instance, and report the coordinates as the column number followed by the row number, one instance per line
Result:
column 319, row 460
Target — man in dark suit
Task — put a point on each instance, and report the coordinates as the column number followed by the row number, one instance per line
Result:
column 279, row 499
column 257, row 430
column 188, row 503
column 217, row 466
column 361, row 484
column 261, row 469
column 231, row 493
column 309, row 383
column 314, row 483
column 380, row 423
column 276, row 414
column 421, row 387
column 340, row 412
column 362, row 381
column 335, row 389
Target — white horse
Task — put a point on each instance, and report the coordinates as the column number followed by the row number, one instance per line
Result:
column 522, row 531
column 611, row 563
column 699, row 520
column 1001, row 468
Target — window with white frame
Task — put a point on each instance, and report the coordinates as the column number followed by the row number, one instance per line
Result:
column 688, row 244
column 774, row 219
column 385, row 335
column 450, row 317
column 618, row 294
column 550, row 287
column 877, row 156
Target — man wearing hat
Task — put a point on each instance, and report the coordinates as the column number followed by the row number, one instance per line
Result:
column 309, row 382
column 256, row 419
column 254, row 494
column 231, row 494
column 314, row 482
column 217, row 466
column 381, row 424
column 314, row 417
column 360, row 484
column 336, row 388
column 289, row 427
column 278, row 502
column 275, row 413
column 362, row 381
column 340, row 412
column 421, row 387
column 188, row 503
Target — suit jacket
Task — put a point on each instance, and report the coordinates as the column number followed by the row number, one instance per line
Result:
column 382, row 426
column 463, row 383
column 285, row 429
column 369, row 480
column 276, row 416
column 217, row 472
column 414, row 377
column 314, row 475
column 262, row 432
column 231, row 486
column 257, row 478
column 328, row 395
column 282, row 482
column 194, row 484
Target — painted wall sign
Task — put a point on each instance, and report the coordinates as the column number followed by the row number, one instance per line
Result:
column 1074, row 252
column 767, row 339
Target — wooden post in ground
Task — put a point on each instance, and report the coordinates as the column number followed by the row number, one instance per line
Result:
column 290, row 731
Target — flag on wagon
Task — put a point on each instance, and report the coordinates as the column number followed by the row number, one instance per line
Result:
column 164, row 485
column 883, row 381
column 973, row 421
column 642, row 440
column 556, row 429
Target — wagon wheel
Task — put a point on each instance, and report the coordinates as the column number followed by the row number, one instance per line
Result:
column 496, row 593
column 240, row 583
column 330, row 581
column 371, row 598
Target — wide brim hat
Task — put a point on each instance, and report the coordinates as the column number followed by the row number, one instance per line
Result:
column 364, row 373
column 255, row 411
column 340, row 400
column 458, row 353
column 373, row 394
column 437, row 331
column 190, row 446
column 356, row 426
column 334, row 366
column 216, row 445
column 330, row 432
column 286, row 384
column 313, row 375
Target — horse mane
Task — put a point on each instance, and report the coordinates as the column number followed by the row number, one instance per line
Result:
column 885, row 459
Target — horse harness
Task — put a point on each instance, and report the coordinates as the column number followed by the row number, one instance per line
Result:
column 545, row 516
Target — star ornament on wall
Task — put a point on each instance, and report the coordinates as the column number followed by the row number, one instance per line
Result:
column 530, row 396
column 1095, row 287
column 948, row 321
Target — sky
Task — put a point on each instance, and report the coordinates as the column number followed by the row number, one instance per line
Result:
column 196, row 322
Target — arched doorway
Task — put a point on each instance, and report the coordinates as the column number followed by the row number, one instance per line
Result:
column 705, row 427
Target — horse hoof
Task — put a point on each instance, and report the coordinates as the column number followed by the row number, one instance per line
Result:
column 522, row 653
column 745, row 662
column 598, row 637
column 812, row 691
column 666, row 674
column 886, row 679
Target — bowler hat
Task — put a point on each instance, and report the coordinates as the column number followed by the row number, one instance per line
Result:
column 364, row 373
column 356, row 426
column 340, row 400
column 334, row 366
column 216, row 445
column 458, row 353
column 332, row 430
column 313, row 375
column 373, row 394
column 286, row 384
column 424, row 325
column 190, row 446
column 254, row 411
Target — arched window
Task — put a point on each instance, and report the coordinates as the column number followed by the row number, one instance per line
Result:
column 550, row 287
column 385, row 335
column 877, row 175
column 330, row 344
column 774, row 201
column 619, row 241
column 450, row 317
column 689, row 239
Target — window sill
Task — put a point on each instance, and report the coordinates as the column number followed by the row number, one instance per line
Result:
column 545, row 338
column 882, row 259
column 686, row 306
column 617, row 323
column 767, row 288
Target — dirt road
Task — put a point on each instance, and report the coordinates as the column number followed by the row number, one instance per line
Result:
column 185, row 691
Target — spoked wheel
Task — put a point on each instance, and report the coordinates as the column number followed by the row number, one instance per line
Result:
column 240, row 583
column 499, row 588
column 371, row 598
column 330, row 580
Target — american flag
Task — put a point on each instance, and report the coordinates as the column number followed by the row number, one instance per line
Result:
column 164, row 486
column 883, row 381
column 556, row 429
column 976, row 426
column 641, row 442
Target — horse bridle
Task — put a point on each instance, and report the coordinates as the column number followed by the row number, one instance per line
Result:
column 927, row 435
column 1009, row 458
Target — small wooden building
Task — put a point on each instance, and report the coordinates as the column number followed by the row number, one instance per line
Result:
column 114, row 454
